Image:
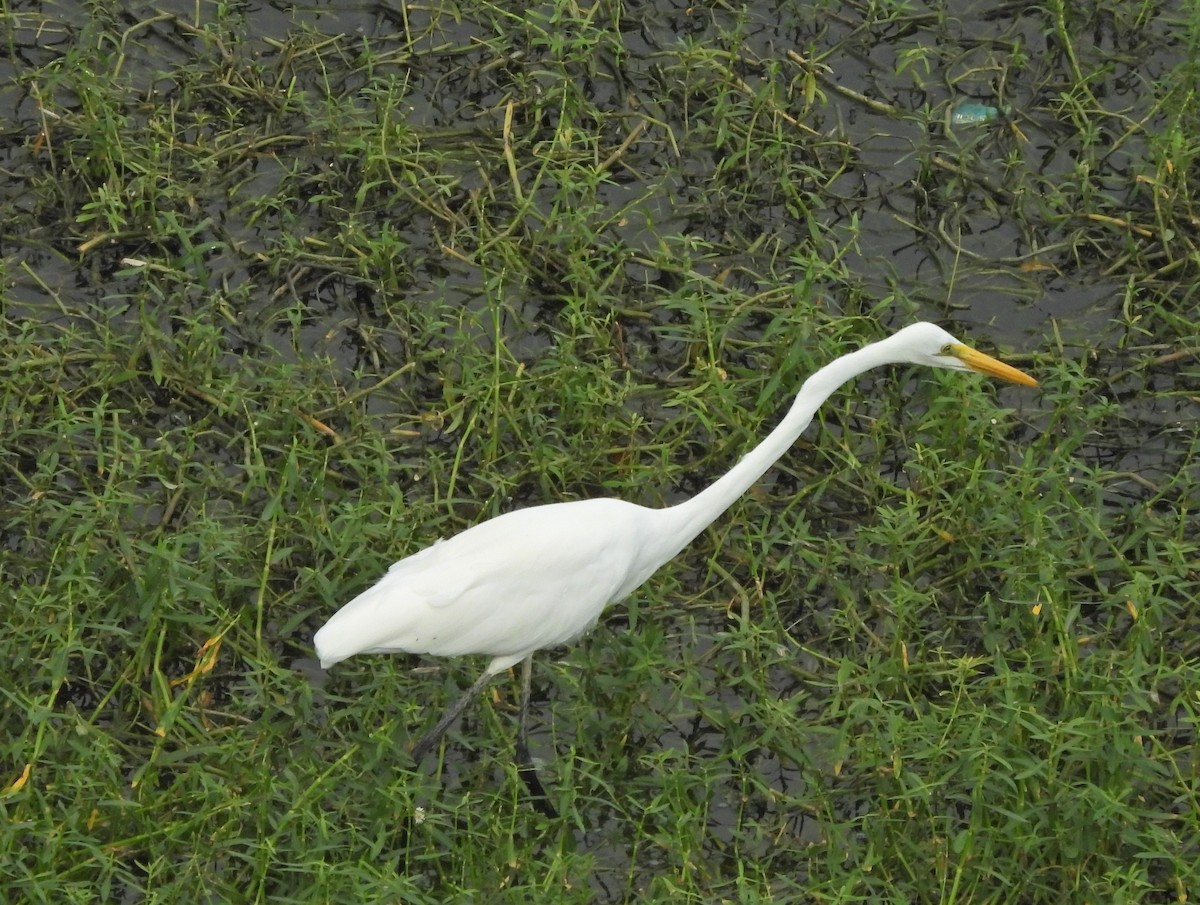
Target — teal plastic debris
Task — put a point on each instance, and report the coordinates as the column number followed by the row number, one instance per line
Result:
column 973, row 113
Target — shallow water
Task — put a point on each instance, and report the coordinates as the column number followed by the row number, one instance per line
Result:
column 979, row 246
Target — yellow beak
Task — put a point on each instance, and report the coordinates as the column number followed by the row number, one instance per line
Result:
column 985, row 364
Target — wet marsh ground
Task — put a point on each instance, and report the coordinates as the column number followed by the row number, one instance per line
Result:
column 289, row 295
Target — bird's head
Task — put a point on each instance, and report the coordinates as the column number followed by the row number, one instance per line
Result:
column 929, row 344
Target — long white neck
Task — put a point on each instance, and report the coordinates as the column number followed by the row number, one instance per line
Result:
column 679, row 524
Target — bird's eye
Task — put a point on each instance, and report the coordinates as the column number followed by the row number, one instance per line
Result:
column 945, row 349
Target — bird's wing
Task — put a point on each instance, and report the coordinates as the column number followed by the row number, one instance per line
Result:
column 506, row 587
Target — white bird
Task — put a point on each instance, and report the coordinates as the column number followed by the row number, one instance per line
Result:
column 540, row 577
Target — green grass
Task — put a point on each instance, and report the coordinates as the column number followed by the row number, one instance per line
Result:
column 278, row 310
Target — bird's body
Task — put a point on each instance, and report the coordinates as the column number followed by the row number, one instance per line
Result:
column 540, row 577
column 517, row 583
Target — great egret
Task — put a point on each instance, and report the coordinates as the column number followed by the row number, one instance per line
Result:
column 541, row 576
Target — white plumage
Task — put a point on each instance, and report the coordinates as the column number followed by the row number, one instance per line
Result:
column 540, row 577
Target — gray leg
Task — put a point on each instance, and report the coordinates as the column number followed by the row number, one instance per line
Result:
column 525, row 768
column 434, row 735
